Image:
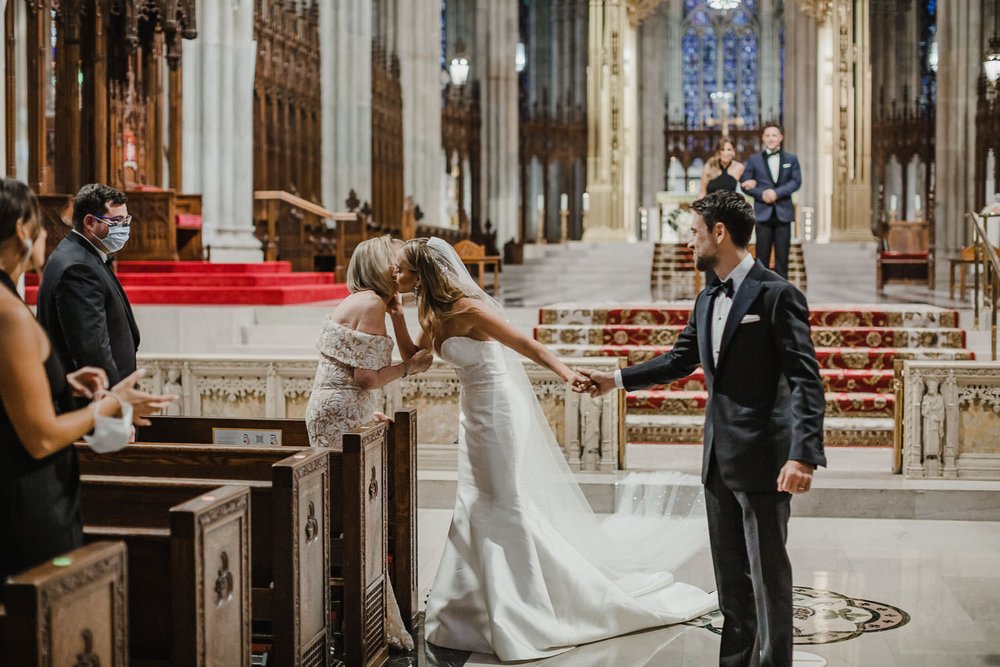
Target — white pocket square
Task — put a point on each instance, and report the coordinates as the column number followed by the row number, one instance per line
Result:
column 747, row 319
column 787, row 165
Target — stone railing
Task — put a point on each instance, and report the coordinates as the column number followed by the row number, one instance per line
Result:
column 589, row 430
column 951, row 419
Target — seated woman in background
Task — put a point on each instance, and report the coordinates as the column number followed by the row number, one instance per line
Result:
column 39, row 478
column 356, row 361
column 722, row 171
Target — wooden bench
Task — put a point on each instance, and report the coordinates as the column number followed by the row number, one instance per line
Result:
column 905, row 254
column 71, row 607
column 187, row 589
column 289, row 550
column 357, row 555
column 473, row 254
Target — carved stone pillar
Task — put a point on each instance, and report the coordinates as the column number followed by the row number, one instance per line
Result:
column 218, row 127
column 612, row 113
column 960, row 51
column 852, row 102
column 655, row 57
column 345, row 29
column 497, row 35
column 419, row 43
column 801, row 100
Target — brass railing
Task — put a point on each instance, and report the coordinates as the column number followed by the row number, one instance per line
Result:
column 986, row 263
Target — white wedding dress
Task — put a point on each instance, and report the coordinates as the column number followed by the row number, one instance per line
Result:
column 529, row 571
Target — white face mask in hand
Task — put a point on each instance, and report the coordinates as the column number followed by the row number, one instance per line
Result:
column 111, row 433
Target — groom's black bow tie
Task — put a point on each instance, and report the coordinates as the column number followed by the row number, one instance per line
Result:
column 768, row 153
column 719, row 286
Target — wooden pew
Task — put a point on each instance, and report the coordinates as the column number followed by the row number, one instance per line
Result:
column 71, row 607
column 355, row 554
column 401, row 473
column 288, row 496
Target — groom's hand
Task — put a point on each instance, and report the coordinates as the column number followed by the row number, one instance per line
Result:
column 795, row 477
column 601, row 382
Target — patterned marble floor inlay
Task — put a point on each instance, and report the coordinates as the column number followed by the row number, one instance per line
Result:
column 825, row 617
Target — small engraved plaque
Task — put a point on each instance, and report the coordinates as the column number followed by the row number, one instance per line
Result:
column 247, row 437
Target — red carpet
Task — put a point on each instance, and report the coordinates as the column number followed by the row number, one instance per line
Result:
column 208, row 284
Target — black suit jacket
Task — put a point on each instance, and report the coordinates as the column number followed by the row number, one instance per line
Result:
column 765, row 397
column 84, row 309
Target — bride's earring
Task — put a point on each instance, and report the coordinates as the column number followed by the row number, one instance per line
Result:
column 416, row 289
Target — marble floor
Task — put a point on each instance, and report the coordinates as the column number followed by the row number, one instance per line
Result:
column 870, row 593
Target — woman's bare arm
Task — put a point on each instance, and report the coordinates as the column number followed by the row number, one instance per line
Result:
column 490, row 324
column 404, row 342
column 27, row 396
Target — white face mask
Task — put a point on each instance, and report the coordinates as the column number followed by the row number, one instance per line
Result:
column 111, row 433
column 116, row 238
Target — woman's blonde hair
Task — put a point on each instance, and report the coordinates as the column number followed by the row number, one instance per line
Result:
column 370, row 267
column 436, row 289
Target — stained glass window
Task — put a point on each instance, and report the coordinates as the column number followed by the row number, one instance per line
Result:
column 720, row 54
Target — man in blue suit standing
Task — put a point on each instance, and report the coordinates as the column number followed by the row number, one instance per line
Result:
column 776, row 175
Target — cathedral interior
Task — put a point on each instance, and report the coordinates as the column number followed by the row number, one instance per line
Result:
column 558, row 145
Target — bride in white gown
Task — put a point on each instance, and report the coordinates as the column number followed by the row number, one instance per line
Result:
column 529, row 571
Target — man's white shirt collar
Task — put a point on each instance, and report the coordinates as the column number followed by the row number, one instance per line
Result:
column 102, row 253
column 740, row 272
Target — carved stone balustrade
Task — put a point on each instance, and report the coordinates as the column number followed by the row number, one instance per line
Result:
column 588, row 429
column 951, row 419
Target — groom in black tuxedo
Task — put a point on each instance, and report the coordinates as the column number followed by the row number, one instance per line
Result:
column 763, row 424
column 776, row 175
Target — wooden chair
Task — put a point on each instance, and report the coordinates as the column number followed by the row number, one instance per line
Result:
column 473, row 254
column 905, row 254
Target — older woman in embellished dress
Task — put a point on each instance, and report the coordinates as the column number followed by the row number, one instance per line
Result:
column 356, row 362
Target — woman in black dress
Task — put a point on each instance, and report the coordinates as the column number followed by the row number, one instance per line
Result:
column 39, row 478
column 722, row 171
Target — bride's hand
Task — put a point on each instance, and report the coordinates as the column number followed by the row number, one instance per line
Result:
column 419, row 362
column 395, row 305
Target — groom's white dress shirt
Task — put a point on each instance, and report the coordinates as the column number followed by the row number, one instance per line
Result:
column 720, row 309
column 774, row 166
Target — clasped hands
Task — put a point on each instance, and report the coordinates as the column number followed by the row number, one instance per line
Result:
column 795, row 476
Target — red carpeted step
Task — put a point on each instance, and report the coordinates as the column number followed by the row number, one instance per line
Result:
column 829, row 315
column 225, row 296
column 693, row 402
column 224, row 279
column 856, row 358
column 135, row 266
column 666, row 334
column 834, row 380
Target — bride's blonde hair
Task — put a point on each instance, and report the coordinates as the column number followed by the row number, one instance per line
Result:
column 436, row 291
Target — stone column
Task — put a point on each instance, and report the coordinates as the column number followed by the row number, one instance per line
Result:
column 960, row 49
column 801, row 90
column 419, row 43
column 345, row 29
column 497, row 35
column 653, row 47
column 769, row 74
column 851, row 205
column 610, row 162
column 218, row 127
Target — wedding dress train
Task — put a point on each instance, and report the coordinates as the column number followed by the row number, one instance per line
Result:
column 528, row 570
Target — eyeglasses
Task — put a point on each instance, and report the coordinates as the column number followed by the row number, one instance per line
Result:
column 116, row 222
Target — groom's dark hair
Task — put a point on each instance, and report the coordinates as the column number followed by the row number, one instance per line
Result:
column 732, row 210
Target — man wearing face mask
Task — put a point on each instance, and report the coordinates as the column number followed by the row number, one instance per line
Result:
column 81, row 304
